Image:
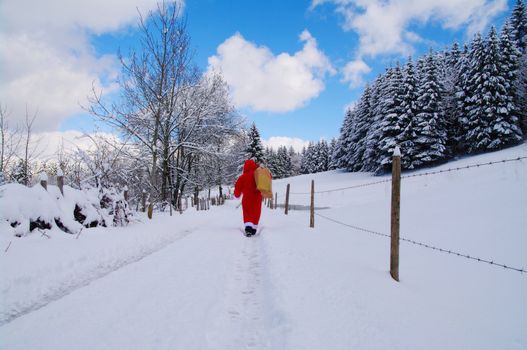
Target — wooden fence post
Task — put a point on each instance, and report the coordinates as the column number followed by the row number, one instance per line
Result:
column 179, row 202
column 44, row 180
column 150, row 210
column 287, row 199
column 395, row 217
column 60, row 181
column 275, row 200
column 312, row 208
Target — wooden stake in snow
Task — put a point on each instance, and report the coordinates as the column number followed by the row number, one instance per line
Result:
column 275, row 200
column 44, row 180
column 395, row 217
column 312, row 207
column 287, row 199
column 60, row 181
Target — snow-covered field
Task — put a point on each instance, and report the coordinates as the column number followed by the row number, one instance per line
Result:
column 192, row 281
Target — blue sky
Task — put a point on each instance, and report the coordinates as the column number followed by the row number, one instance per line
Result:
column 293, row 66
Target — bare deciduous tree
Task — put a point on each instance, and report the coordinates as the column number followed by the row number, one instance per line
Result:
column 173, row 115
column 10, row 140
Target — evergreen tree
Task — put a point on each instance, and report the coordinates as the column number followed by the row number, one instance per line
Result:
column 332, row 147
column 490, row 121
column 451, row 78
column 515, row 81
column 255, row 149
column 283, row 162
column 370, row 157
column 518, row 20
column 272, row 162
column 19, row 174
column 305, row 165
column 362, row 120
column 339, row 156
column 321, row 157
column 390, row 123
column 295, row 158
column 518, row 28
column 430, row 128
column 462, row 91
column 407, row 137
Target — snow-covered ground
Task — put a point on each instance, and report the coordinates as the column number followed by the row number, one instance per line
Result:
column 192, row 281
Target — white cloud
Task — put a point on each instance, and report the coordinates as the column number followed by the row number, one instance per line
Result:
column 45, row 145
column 276, row 141
column 264, row 82
column 47, row 61
column 383, row 25
column 353, row 72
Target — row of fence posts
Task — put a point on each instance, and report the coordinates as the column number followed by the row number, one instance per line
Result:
column 395, row 211
column 199, row 203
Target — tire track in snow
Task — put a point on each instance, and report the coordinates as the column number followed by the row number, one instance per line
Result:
column 102, row 270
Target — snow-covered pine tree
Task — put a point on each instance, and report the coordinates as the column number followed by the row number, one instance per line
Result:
column 518, row 21
column 341, row 149
column 315, row 159
column 430, row 127
column 390, row 124
column 296, row 158
column 311, row 158
column 321, row 157
column 332, row 147
column 462, row 90
column 362, row 120
column 515, row 80
column 450, row 78
column 305, row 164
column 406, row 139
column 371, row 152
column 255, row 149
column 489, row 124
column 272, row 162
column 284, row 162
column 20, row 173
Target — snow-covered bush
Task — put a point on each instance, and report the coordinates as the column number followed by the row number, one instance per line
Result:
column 23, row 209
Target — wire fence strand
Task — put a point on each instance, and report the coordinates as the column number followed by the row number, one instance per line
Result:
column 429, row 246
column 417, row 175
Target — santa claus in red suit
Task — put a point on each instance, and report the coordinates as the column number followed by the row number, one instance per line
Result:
column 252, row 198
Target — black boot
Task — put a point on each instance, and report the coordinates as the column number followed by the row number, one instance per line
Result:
column 248, row 231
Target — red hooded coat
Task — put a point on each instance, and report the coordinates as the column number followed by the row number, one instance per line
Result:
column 252, row 198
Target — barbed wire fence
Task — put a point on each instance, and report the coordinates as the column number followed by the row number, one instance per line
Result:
column 404, row 239
column 425, row 245
column 449, row 170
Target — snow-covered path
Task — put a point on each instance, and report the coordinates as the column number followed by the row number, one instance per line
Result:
column 158, row 302
column 193, row 281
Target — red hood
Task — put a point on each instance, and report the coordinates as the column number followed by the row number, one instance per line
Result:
column 249, row 165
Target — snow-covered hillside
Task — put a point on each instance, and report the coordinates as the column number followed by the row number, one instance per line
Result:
column 193, row 281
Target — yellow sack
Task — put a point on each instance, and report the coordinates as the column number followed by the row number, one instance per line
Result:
column 263, row 179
